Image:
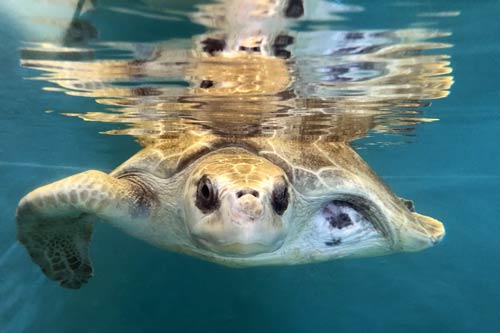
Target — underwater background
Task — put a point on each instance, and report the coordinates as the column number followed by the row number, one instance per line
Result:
column 449, row 168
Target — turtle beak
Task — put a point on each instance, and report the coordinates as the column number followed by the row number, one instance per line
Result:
column 247, row 207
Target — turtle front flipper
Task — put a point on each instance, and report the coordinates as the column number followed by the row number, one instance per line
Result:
column 55, row 222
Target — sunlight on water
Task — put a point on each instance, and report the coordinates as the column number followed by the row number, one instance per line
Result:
column 241, row 78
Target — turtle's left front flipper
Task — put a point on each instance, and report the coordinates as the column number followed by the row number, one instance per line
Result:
column 55, row 222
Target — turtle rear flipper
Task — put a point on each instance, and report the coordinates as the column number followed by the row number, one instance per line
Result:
column 55, row 222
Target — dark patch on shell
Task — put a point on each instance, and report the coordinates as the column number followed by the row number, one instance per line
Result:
column 339, row 221
column 353, row 35
column 334, row 241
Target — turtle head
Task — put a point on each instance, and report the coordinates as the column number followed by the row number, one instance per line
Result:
column 236, row 203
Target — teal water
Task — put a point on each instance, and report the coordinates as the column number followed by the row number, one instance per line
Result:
column 450, row 168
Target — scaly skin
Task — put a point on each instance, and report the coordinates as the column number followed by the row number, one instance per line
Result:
column 55, row 222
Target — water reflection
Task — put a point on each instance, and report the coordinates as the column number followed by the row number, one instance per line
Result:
column 246, row 130
column 254, row 66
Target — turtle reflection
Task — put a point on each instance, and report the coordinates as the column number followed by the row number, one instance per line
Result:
column 249, row 164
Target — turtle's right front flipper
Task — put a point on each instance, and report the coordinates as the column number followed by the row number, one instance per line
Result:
column 55, row 222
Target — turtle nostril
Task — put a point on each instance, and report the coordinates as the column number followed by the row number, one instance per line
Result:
column 241, row 193
column 254, row 193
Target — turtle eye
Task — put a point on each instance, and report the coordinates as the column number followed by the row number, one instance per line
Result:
column 206, row 196
column 279, row 197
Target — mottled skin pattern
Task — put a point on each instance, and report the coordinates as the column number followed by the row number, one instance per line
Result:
column 55, row 222
column 266, row 201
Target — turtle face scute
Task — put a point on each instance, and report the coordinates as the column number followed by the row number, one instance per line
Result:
column 236, row 203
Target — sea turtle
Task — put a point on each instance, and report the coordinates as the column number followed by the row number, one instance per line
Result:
column 237, row 202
